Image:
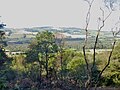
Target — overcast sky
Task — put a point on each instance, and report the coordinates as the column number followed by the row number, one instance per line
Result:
column 65, row 13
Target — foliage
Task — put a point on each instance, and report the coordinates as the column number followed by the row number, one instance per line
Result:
column 116, row 53
column 27, row 71
column 112, row 74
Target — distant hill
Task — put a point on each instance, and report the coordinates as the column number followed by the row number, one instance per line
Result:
column 69, row 30
column 20, row 38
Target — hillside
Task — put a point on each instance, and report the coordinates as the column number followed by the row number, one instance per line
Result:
column 20, row 38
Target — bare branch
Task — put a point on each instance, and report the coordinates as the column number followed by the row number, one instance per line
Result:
column 109, row 58
column 88, row 13
column 88, row 82
column 102, row 13
column 108, row 16
column 117, row 33
column 86, row 29
column 96, row 39
column 87, row 1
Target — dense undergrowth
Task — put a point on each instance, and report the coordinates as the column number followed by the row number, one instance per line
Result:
column 49, row 66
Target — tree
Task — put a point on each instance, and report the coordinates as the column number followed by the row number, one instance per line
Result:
column 2, row 43
column 42, row 49
column 101, row 24
column 47, row 46
column 61, row 44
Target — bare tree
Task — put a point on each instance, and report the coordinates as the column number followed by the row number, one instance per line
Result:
column 88, row 82
column 115, row 33
column 101, row 24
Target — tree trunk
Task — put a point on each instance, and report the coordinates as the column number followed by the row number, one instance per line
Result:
column 61, row 62
column 46, row 66
column 40, row 71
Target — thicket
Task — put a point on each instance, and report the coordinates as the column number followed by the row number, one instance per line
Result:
column 48, row 65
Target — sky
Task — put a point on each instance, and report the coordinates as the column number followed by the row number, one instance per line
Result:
column 57, row 13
